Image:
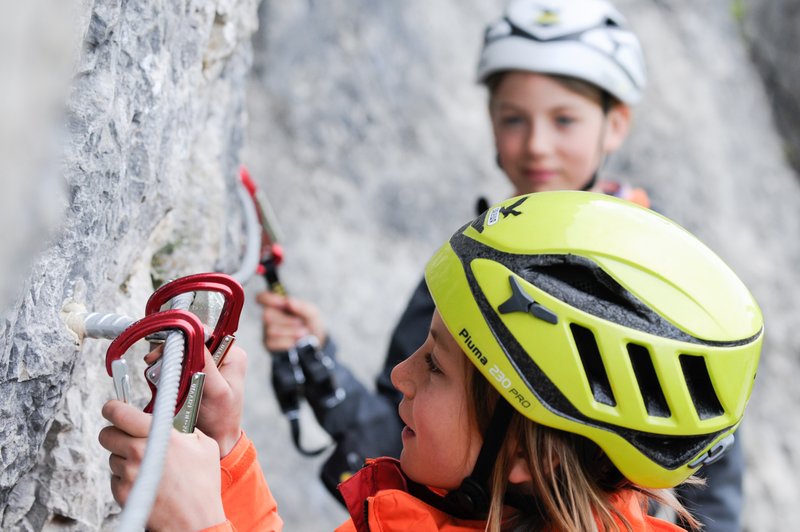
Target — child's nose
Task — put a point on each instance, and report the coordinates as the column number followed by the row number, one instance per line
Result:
column 539, row 139
column 401, row 376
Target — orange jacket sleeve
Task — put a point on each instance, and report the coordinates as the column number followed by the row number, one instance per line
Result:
column 248, row 503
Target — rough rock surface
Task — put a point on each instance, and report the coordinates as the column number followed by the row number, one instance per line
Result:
column 154, row 126
column 771, row 29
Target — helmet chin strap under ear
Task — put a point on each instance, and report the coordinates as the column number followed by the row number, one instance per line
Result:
column 591, row 183
column 605, row 104
column 471, row 500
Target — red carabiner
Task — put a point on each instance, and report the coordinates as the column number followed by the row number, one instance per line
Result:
column 193, row 359
column 232, row 291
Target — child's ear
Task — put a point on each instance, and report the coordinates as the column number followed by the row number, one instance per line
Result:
column 617, row 124
column 520, row 470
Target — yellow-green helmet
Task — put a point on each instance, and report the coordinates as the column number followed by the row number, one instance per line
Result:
column 595, row 316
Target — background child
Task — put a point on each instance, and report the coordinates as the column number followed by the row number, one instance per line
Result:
column 562, row 77
column 599, row 369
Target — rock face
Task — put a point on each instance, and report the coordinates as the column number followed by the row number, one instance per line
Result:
column 154, row 126
column 371, row 140
column 771, row 29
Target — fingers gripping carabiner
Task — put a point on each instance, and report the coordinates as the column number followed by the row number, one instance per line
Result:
column 193, row 360
column 220, row 340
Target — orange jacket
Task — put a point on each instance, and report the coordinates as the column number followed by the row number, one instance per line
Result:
column 376, row 497
column 378, row 500
column 246, row 498
column 624, row 191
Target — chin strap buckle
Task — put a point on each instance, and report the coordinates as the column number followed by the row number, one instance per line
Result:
column 469, row 501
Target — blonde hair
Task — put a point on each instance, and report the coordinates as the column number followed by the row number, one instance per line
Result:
column 573, row 481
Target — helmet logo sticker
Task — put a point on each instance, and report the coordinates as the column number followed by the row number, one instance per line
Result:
column 471, row 347
column 520, row 301
column 548, row 17
column 494, row 215
column 511, row 209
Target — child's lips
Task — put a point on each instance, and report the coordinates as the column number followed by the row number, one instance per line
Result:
column 539, row 175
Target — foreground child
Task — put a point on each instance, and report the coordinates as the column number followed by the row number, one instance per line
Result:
column 585, row 352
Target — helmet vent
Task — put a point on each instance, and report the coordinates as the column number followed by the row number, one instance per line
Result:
column 698, row 381
column 584, row 285
column 646, row 377
column 593, row 365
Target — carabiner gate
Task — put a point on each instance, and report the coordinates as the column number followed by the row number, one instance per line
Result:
column 190, row 386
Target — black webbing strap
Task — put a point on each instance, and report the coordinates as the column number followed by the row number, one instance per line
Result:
column 471, row 499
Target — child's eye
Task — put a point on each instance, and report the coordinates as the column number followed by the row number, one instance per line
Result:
column 432, row 367
column 511, row 120
column 564, row 120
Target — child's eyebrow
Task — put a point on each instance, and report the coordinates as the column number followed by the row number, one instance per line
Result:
column 502, row 105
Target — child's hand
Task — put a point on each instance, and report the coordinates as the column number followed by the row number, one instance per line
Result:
column 189, row 493
column 223, row 398
column 286, row 320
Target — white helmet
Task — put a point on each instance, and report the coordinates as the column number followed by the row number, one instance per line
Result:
column 584, row 39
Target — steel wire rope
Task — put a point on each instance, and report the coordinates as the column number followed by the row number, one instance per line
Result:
column 145, row 487
column 251, row 256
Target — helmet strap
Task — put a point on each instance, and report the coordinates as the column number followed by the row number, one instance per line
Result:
column 591, row 183
column 471, row 500
column 606, row 103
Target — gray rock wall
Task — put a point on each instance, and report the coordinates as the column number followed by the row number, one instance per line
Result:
column 772, row 30
column 150, row 149
column 373, row 142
